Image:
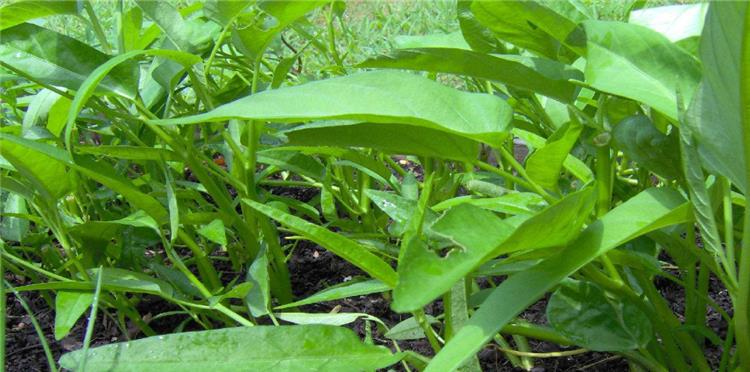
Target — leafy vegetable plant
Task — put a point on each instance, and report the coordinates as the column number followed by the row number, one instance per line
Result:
column 536, row 154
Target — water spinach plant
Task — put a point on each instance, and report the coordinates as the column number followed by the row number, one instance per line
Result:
column 538, row 153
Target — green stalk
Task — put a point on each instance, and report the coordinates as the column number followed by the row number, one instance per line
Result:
column 205, row 268
column 332, row 40
column 428, row 331
column 92, row 321
column 742, row 307
column 728, row 225
column 508, row 157
column 39, row 331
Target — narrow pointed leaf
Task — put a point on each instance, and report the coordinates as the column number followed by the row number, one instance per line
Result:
column 343, row 247
column 532, row 74
column 18, row 12
column 56, row 59
column 69, row 306
column 383, row 97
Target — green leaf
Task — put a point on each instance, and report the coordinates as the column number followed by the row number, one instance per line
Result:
column 253, row 38
column 409, row 329
column 261, row 348
column 49, row 177
column 343, row 247
column 532, row 74
column 582, row 312
column 572, row 164
column 650, row 210
column 637, row 63
column 475, row 34
column 224, row 12
column 513, row 203
column 423, row 275
column 258, row 299
column 334, row 319
column 55, row 59
column 129, row 152
column 675, row 22
column 187, row 35
column 215, row 232
column 714, row 113
column 528, row 25
column 18, row 12
column 545, row 164
column 69, row 306
column 103, row 173
column 345, row 290
column 410, row 140
column 14, row 228
column 383, row 97
column 639, row 139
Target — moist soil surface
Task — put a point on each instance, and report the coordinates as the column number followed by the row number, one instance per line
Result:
column 314, row 269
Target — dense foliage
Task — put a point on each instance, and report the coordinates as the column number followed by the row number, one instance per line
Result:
column 147, row 166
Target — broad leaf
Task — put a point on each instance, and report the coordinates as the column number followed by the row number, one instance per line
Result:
column 55, row 59
column 714, row 113
column 648, row 211
column 384, row 97
column 18, row 12
column 676, row 22
column 478, row 235
column 582, row 312
column 545, row 164
column 639, row 139
column 69, row 306
column 528, row 25
column 215, row 232
column 261, row 348
column 638, row 63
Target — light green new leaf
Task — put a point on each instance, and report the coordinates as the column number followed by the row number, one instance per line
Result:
column 676, row 22
column 529, row 25
column 532, row 74
column 334, row 319
column 638, row 63
column 648, row 211
column 56, row 59
column 383, row 97
column 215, row 232
column 409, row 329
column 69, row 306
column 410, row 140
column 341, row 291
column 572, row 164
column 261, row 348
column 582, row 312
column 18, row 12
column 340, row 245
column 714, row 113
column 545, row 164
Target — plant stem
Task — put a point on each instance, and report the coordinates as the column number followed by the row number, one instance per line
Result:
column 98, row 31
column 508, row 157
